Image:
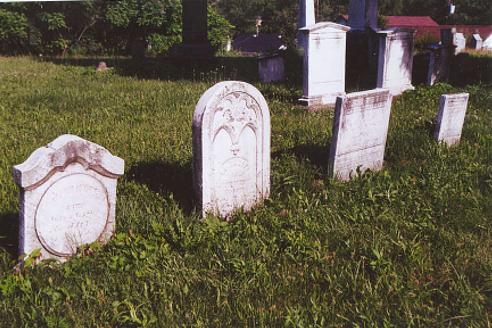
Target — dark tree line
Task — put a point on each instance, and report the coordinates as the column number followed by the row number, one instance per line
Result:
column 95, row 27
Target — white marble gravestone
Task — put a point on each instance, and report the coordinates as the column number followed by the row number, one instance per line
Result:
column 68, row 196
column 231, row 149
column 271, row 68
column 395, row 60
column 477, row 41
column 360, row 128
column 324, row 63
column 459, row 42
column 450, row 118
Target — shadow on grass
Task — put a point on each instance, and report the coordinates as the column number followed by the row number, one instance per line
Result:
column 174, row 68
column 316, row 154
column 166, row 178
column 9, row 233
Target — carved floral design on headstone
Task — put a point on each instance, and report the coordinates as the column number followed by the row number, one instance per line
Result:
column 68, row 197
column 231, row 148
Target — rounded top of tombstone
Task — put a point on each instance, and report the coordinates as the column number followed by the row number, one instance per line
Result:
column 219, row 91
column 62, row 152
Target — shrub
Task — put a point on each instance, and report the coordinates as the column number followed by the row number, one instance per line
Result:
column 13, row 31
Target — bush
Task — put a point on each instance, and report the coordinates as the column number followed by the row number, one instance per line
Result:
column 13, row 32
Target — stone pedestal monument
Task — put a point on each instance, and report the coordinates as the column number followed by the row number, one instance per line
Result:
column 324, row 63
column 195, row 30
column 395, row 60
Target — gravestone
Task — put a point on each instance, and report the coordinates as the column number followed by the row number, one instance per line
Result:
column 306, row 18
column 363, row 14
column 360, row 128
column 450, row 118
column 395, row 60
column 459, row 42
column 68, row 197
column 231, row 149
column 324, row 63
column 271, row 68
column 477, row 41
column 306, row 13
column 440, row 57
column 195, row 30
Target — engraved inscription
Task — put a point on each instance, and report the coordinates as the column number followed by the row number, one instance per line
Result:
column 73, row 211
column 234, row 152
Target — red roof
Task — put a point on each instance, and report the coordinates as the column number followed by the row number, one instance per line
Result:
column 411, row 21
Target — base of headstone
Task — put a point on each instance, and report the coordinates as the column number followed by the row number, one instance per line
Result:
column 200, row 50
column 400, row 89
column 321, row 101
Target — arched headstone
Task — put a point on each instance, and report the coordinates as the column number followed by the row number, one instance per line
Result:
column 231, row 148
column 68, row 197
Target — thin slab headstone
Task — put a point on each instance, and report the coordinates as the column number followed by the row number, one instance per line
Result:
column 68, row 197
column 360, row 128
column 450, row 118
column 231, row 149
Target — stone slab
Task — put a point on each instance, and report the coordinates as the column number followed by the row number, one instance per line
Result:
column 360, row 128
column 395, row 60
column 323, row 63
column 231, row 149
column 450, row 118
column 68, row 197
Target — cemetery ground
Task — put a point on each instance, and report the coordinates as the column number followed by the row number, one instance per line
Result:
column 408, row 246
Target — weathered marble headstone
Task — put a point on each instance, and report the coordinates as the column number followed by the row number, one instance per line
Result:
column 459, row 42
column 395, row 60
column 68, row 197
column 450, row 118
column 324, row 63
column 271, row 68
column 477, row 41
column 360, row 128
column 231, row 148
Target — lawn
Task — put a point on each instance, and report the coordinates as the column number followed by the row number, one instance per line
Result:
column 408, row 246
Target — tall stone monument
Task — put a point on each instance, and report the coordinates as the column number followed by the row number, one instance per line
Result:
column 68, row 197
column 323, row 63
column 306, row 18
column 231, row 149
column 363, row 14
column 195, row 30
column 306, row 13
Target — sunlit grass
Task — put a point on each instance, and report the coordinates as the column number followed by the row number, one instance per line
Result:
column 409, row 246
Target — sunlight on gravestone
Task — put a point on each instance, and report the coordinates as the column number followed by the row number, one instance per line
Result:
column 360, row 128
column 231, row 149
column 450, row 118
column 68, row 197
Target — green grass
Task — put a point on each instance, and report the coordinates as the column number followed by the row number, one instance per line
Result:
column 408, row 246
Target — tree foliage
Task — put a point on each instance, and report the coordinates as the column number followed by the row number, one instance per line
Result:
column 99, row 26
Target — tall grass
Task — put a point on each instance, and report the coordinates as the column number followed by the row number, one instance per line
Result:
column 408, row 246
